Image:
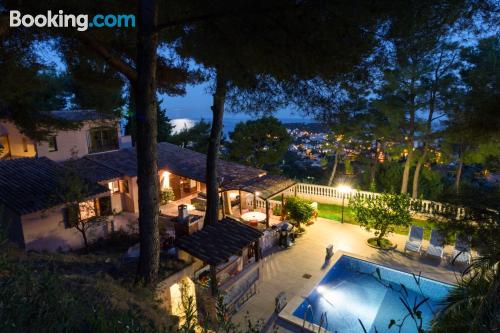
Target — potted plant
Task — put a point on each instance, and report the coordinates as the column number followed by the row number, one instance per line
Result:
column 299, row 212
column 382, row 213
column 166, row 195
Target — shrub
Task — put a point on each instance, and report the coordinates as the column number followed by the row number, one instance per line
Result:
column 277, row 211
column 298, row 210
column 382, row 213
column 166, row 195
column 43, row 299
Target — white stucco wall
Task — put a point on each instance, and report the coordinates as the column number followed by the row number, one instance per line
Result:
column 45, row 231
column 72, row 143
column 15, row 140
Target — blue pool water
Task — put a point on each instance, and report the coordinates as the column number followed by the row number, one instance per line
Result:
column 352, row 290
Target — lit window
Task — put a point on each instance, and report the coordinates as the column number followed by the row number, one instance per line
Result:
column 114, row 186
column 124, row 186
column 52, row 143
column 25, row 145
column 87, row 209
column 4, row 146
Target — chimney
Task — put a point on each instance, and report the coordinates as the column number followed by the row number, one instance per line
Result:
column 183, row 213
column 186, row 224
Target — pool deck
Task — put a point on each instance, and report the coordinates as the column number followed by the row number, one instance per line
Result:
column 295, row 271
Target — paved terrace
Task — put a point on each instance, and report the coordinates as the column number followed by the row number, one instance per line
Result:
column 284, row 269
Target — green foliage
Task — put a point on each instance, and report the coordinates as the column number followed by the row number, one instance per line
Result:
column 431, row 185
column 80, row 212
column 35, row 298
column 166, row 195
column 261, row 143
column 482, row 76
column 382, row 213
column 389, row 177
column 277, row 211
column 461, row 304
column 188, row 302
column 473, row 306
column 195, row 138
column 298, row 210
column 164, row 126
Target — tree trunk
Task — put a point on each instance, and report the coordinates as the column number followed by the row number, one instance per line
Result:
column 381, row 235
column 334, row 170
column 458, row 176
column 406, row 171
column 85, row 240
column 146, row 144
column 212, row 212
column 416, row 175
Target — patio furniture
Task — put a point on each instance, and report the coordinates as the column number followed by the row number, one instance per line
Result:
column 436, row 244
column 462, row 250
column 415, row 237
column 200, row 201
column 253, row 217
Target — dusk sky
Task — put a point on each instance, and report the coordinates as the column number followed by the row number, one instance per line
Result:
column 197, row 102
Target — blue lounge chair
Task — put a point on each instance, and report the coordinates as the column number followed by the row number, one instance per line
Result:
column 462, row 251
column 436, row 244
column 415, row 237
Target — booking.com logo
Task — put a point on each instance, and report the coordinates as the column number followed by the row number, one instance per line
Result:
column 81, row 21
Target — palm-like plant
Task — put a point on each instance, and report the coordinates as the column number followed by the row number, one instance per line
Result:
column 474, row 304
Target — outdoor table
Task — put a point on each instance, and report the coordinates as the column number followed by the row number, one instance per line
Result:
column 253, row 217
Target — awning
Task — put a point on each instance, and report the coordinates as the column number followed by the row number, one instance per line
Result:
column 216, row 243
column 266, row 186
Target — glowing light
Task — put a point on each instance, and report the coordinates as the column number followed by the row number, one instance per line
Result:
column 344, row 188
column 165, row 179
column 257, row 193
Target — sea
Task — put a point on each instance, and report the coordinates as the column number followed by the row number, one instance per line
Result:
column 229, row 123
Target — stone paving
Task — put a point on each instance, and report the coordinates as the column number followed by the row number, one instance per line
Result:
column 288, row 270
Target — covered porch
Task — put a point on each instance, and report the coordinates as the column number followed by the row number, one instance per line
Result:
column 227, row 256
column 259, row 201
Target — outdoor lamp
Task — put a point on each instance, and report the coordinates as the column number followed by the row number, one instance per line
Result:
column 344, row 189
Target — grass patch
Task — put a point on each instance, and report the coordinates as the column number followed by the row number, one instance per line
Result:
column 385, row 244
column 334, row 212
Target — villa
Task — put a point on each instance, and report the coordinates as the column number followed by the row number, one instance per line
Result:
column 97, row 153
column 95, row 133
column 229, row 258
column 222, row 258
column 35, row 210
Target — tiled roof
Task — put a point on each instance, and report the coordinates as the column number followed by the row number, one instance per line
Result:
column 123, row 161
column 216, row 243
column 267, row 186
column 91, row 170
column 29, row 185
column 180, row 161
column 81, row 115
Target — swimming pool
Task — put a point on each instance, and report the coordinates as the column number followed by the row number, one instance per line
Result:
column 355, row 290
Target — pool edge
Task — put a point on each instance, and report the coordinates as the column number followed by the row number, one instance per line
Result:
column 287, row 312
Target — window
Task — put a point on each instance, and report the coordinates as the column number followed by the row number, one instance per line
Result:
column 105, row 206
column 88, row 209
column 114, row 187
column 25, row 145
column 103, row 139
column 52, row 140
column 4, row 146
column 124, row 186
